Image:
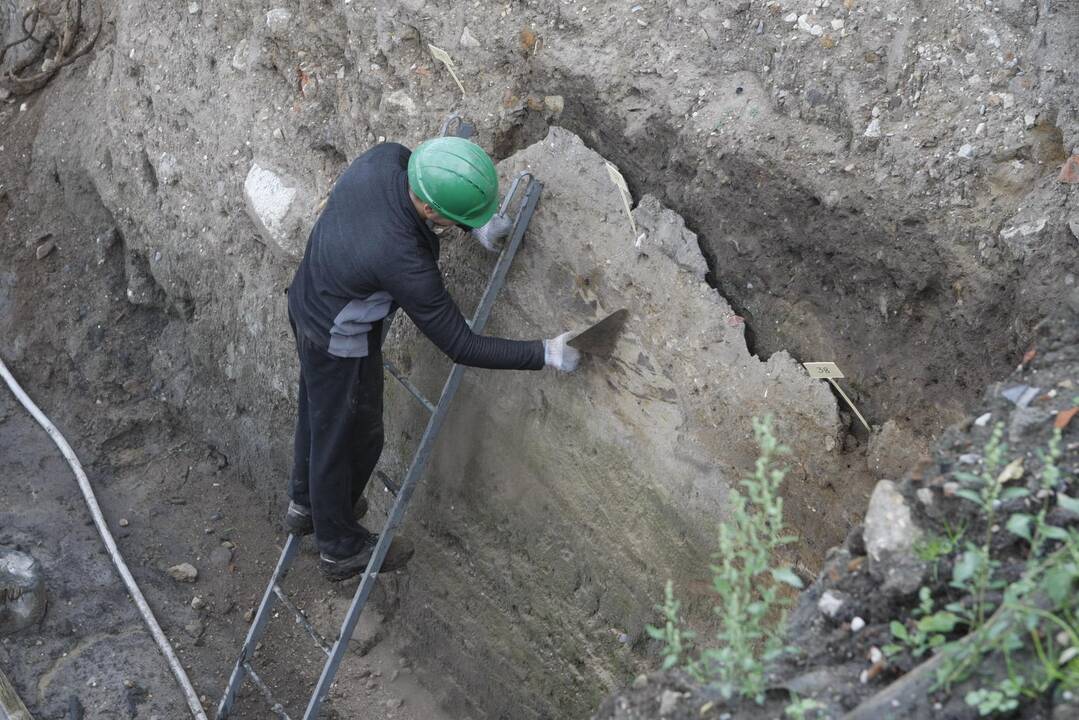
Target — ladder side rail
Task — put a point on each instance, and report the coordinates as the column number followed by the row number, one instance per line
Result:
column 419, row 461
column 258, row 627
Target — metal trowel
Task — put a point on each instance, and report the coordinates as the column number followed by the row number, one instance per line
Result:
column 600, row 339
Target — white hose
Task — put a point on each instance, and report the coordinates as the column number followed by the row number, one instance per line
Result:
column 110, row 543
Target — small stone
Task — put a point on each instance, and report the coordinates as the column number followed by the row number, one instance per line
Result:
column 967, row 151
column 890, row 534
column 554, row 103
column 129, row 683
column 22, row 591
column 184, row 572
column 197, row 603
column 278, row 21
column 1073, row 225
column 640, row 681
column 1029, row 119
column 980, row 130
column 1069, row 172
column 394, row 703
column 467, row 39
column 793, row 17
column 193, row 8
column 925, row 496
column 45, row 248
column 873, row 129
column 983, row 420
column 875, row 655
column 668, row 701
column 857, row 624
column 278, row 134
column 950, row 488
column 124, row 522
column 830, row 603
column 249, row 616
column 837, row 24
column 221, row 556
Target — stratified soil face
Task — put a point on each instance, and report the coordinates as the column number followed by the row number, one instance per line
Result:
column 876, row 183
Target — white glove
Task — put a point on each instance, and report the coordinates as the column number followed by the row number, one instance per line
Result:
column 491, row 234
column 559, row 355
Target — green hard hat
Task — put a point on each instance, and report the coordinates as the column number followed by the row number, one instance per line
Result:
column 456, row 178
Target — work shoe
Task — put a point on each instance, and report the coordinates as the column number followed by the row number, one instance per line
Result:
column 400, row 552
column 298, row 517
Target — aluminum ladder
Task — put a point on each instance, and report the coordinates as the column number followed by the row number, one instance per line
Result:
column 243, row 669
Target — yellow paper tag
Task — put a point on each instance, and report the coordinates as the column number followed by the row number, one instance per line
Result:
column 444, row 57
column 823, row 370
column 623, row 190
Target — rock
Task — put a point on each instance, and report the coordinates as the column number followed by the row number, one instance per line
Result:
column 640, row 681
column 1069, row 172
column 124, row 522
column 857, row 624
column 893, row 451
column 1026, row 421
column 198, row 603
column 279, row 209
column 668, row 701
column 830, row 603
column 467, row 40
column 4, row 94
column 1024, row 229
column 44, row 249
column 967, row 151
column 249, row 616
column 221, row 556
column 184, row 572
column 664, row 230
column 193, row 8
column 167, row 169
column 394, row 703
column 105, row 242
column 806, row 26
column 22, row 591
column 1073, row 225
column 890, row 534
column 399, row 99
column 873, row 129
column 278, row 22
column 837, row 24
column 554, row 103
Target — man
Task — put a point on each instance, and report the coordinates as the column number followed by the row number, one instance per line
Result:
column 373, row 249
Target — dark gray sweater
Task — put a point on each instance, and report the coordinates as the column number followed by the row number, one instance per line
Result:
column 371, row 252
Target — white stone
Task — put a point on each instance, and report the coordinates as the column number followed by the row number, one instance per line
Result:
column 857, row 624
column 837, row 24
column 168, row 169
column 968, row 151
column 193, row 8
column 279, row 209
column 278, row 21
column 467, row 39
column 980, row 130
column 668, row 701
column 184, row 572
column 793, row 17
column 806, row 26
column 1024, row 230
column 873, row 129
column 889, row 535
column 829, row 604
column 401, row 99
column 1029, row 119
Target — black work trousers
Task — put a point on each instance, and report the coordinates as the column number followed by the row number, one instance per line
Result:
column 338, row 440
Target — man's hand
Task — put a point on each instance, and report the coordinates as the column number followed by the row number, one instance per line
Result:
column 491, row 234
column 559, row 355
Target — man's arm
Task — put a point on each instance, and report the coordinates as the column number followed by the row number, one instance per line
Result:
column 420, row 292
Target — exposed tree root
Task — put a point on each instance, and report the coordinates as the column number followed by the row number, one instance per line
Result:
column 54, row 30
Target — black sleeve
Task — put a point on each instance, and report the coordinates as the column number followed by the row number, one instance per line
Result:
column 420, row 292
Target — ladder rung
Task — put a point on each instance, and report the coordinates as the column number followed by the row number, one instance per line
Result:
column 277, row 708
column 301, row 620
column 415, row 391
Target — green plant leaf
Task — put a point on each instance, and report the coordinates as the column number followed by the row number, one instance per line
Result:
column 899, row 631
column 1068, row 503
column 939, row 622
column 965, row 567
column 970, row 495
column 1014, row 492
column 1019, row 524
column 786, row 575
column 1055, row 533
